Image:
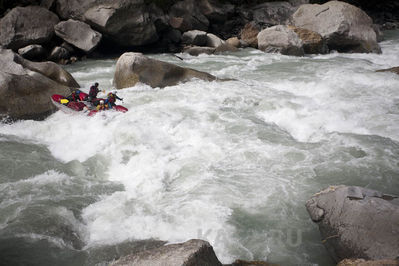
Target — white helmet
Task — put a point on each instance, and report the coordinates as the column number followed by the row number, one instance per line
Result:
column 101, row 102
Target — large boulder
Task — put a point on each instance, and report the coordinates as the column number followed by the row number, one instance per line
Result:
column 194, row 252
column 356, row 222
column 280, row 39
column 195, row 37
column 79, row 34
column 313, row 43
column 345, row 27
column 23, row 26
column 215, row 11
column 135, row 67
column 26, row 87
column 362, row 262
column 213, row 40
column 127, row 23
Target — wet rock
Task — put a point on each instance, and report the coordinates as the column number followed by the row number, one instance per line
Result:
column 225, row 48
column 234, row 41
column 195, row 37
column 135, row 67
column 213, row 40
column 393, row 70
column 79, row 34
column 23, row 26
column 26, row 87
column 362, row 262
column 313, row 43
column 356, row 222
column 58, row 53
column 345, row 27
column 197, row 50
column 186, row 15
column 32, row 52
column 194, row 252
column 249, row 34
column 280, row 39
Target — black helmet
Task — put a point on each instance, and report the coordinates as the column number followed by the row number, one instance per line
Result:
column 96, row 84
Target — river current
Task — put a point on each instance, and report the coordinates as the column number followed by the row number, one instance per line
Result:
column 231, row 162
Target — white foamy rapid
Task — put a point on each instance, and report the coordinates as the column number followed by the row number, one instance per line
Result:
column 232, row 162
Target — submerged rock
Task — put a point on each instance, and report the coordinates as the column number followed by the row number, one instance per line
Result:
column 345, row 27
column 26, row 87
column 280, row 39
column 356, row 222
column 23, row 26
column 393, row 70
column 194, row 252
column 135, row 67
column 79, row 34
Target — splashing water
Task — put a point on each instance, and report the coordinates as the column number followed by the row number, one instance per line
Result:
column 230, row 162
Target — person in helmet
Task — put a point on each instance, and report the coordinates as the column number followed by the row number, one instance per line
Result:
column 101, row 106
column 93, row 91
column 111, row 99
column 74, row 97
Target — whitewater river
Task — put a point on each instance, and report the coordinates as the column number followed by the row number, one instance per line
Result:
column 231, row 162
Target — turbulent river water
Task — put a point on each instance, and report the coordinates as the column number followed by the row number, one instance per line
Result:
column 230, row 162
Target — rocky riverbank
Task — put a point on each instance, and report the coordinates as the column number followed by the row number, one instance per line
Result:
column 65, row 31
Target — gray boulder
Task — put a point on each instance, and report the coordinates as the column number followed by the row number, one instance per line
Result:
column 195, row 37
column 125, row 22
column 345, row 27
column 280, row 39
column 32, row 52
column 194, row 252
column 79, row 34
column 26, row 87
column 213, row 40
column 356, row 222
column 23, row 26
column 234, row 41
column 135, row 67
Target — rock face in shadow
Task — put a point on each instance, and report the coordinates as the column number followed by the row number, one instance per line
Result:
column 280, row 39
column 135, row 67
column 23, row 26
column 345, row 27
column 194, row 252
column 356, row 222
column 26, row 87
column 79, row 34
